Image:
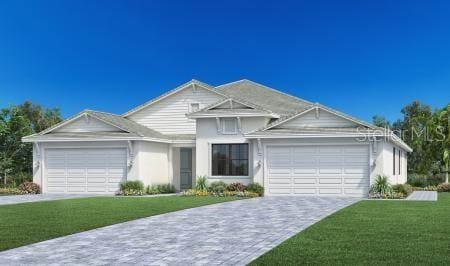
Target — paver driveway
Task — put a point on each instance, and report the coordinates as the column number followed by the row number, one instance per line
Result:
column 4, row 200
column 231, row 233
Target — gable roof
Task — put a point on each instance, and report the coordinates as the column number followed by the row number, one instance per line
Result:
column 173, row 91
column 111, row 119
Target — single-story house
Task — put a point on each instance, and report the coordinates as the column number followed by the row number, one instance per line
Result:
column 237, row 132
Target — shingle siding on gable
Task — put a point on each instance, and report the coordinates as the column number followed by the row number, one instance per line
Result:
column 88, row 125
column 168, row 116
column 325, row 119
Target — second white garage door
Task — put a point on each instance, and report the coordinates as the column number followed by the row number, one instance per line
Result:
column 84, row 170
column 332, row 170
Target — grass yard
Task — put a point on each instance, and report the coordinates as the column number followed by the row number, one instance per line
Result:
column 26, row 223
column 372, row 232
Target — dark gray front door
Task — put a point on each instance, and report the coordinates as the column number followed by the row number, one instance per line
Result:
column 185, row 168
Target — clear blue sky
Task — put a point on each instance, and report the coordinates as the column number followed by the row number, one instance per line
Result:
column 360, row 57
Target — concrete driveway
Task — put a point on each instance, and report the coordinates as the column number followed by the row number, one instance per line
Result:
column 232, row 233
column 5, row 200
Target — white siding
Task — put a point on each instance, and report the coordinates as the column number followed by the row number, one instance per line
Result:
column 87, row 125
column 325, row 119
column 152, row 162
column 168, row 116
column 207, row 135
column 387, row 149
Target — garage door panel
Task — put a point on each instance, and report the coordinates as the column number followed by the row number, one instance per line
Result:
column 330, row 180
column 305, row 191
column 330, row 191
column 320, row 170
column 280, row 191
column 330, row 171
column 280, row 180
column 311, row 180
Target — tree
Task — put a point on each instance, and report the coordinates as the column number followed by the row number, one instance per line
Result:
column 381, row 121
column 15, row 123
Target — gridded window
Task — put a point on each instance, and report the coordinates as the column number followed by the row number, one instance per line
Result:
column 230, row 159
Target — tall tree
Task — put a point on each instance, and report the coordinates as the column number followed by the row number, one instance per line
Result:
column 15, row 123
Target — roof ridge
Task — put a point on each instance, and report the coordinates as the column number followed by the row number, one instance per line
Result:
column 266, row 87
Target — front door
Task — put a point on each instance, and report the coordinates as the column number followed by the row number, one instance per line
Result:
column 185, row 168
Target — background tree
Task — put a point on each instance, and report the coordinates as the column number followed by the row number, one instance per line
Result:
column 15, row 123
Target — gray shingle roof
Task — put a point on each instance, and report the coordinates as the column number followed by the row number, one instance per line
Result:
column 268, row 98
column 127, row 125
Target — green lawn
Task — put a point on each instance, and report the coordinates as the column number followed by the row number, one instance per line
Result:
column 372, row 232
column 26, row 223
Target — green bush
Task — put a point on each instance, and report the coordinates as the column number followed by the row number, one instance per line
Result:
column 160, row 189
column 201, row 183
column 132, row 188
column 381, row 187
column 235, row 187
column 256, row 188
column 10, row 191
column 405, row 189
column 30, row 188
column 217, row 187
column 444, row 187
column 419, row 180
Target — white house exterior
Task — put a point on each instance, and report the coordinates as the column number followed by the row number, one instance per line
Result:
column 238, row 132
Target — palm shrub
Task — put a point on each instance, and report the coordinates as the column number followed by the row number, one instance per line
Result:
column 201, row 183
column 132, row 188
column 381, row 186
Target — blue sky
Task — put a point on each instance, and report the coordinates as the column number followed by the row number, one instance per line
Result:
column 360, row 57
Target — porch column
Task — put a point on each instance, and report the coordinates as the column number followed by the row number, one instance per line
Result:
column 170, row 157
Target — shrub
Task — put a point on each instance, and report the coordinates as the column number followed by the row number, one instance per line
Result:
column 201, row 183
column 196, row 193
column 405, row 189
column 381, row 186
column 217, row 187
column 419, row 180
column 256, row 188
column 235, row 187
column 30, row 188
column 132, row 188
column 166, row 188
column 444, row 187
column 10, row 191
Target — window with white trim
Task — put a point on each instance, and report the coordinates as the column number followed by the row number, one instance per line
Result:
column 229, row 125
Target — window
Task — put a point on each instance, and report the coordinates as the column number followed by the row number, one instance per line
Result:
column 229, row 126
column 399, row 162
column 393, row 160
column 230, row 159
column 194, row 107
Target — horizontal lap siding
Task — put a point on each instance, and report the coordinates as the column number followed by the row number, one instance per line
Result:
column 168, row 116
column 87, row 125
column 325, row 119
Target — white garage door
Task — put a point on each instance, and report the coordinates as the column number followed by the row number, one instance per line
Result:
column 318, row 170
column 84, row 170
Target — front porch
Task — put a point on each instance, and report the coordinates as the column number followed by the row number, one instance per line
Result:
column 182, row 159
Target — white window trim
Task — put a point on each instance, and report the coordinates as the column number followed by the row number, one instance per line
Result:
column 223, row 126
column 190, row 106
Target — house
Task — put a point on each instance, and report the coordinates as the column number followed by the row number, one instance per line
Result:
column 237, row 132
